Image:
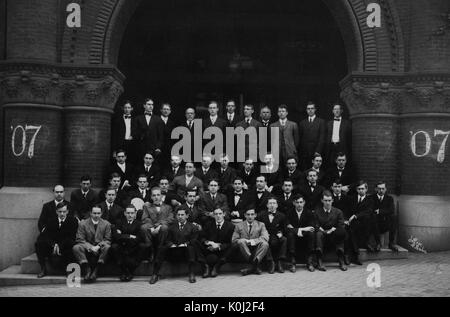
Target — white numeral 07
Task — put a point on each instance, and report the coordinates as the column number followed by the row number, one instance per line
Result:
column 24, row 140
column 441, row 152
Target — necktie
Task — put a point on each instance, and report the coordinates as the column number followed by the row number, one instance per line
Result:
column 359, row 199
column 190, row 209
column 181, row 226
column 84, row 195
column 218, row 227
column 95, row 227
column 190, row 125
column 249, row 229
column 60, row 224
column 286, row 197
column 310, row 120
column 174, row 171
column 109, row 207
column 147, row 169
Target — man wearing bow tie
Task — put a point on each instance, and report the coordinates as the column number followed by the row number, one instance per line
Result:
column 339, row 133
column 312, row 191
column 124, row 169
column 122, row 138
column 384, row 209
column 259, row 195
column 194, row 209
column 238, row 200
column 83, row 199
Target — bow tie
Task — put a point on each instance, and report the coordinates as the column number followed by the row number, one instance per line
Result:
column 311, row 185
column 260, row 192
column 157, row 205
column 148, row 113
column 127, row 117
column 272, row 213
column 337, row 119
column 236, row 194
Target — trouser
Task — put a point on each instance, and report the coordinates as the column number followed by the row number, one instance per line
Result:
column 174, row 254
column 44, row 249
column 277, row 248
column 154, row 240
column 351, row 240
column 206, row 256
column 306, row 243
column 361, row 229
column 128, row 257
column 249, row 253
column 336, row 239
column 385, row 224
column 82, row 255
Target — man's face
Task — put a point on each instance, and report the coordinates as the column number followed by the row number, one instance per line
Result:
column 317, row 162
column 237, row 185
column 218, row 215
column 189, row 169
column 190, row 114
column 96, row 213
column 142, row 183
column 181, row 216
column 265, row 114
column 224, row 161
column 311, row 110
column 110, row 196
column 341, row 161
column 164, row 185
column 206, row 162
column 248, row 165
column 127, row 109
column 213, row 109
column 148, row 106
column 148, row 159
column 62, row 212
column 248, row 111
column 156, row 196
column 381, row 189
column 327, row 202
column 190, row 197
column 85, row 185
column 166, row 111
column 287, row 187
column 175, row 161
column 231, row 107
column 282, row 113
column 260, row 183
column 250, row 215
column 130, row 214
column 337, row 111
column 299, row 204
column 213, row 187
column 312, row 177
column 272, row 205
column 291, row 164
column 121, row 157
column 337, row 189
column 362, row 190
column 58, row 191
column 115, row 182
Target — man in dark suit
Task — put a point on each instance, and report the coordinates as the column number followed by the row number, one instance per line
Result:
column 265, row 115
column 213, row 200
column 196, row 213
column 191, row 123
column 175, row 168
column 181, row 244
column 238, row 200
column 227, row 175
column 345, row 173
column 114, row 182
column 272, row 171
column 329, row 230
column 215, row 244
column 149, row 130
column 317, row 162
column 111, row 211
column 312, row 132
column 169, row 125
column 259, row 195
column 286, row 198
column 83, row 199
column 232, row 117
column 384, row 208
column 339, row 133
column 122, row 137
column 188, row 180
column 276, row 226
column 293, row 172
column 149, row 169
column 93, row 243
column 128, row 244
column 142, row 192
column 206, row 172
column 288, row 134
column 49, row 209
column 124, row 169
column 168, row 197
column 251, row 142
column 213, row 120
column 57, row 239
column 248, row 174
column 301, row 228
column 312, row 191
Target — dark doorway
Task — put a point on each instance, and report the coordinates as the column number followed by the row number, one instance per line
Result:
column 188, row 52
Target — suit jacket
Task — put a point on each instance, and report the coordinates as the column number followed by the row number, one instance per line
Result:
column 150, row 136
column 258, row 234
column 170, row 175
column 233, row 122
column 169, row 196
column 326, row 221
column 312, row 136
column 61, row 236
column 226, row 179
column 167, row 135
column 197, row 215
column 255, row 124
column 119, row 130
column 243, row 204
column 114, row 215
column 188, row 235
column 81, row 206
column 153, row 175
column 266, row 127
column 289, row 138
column 137, row 194
column 297, row 177
column 362, row 209
column 48, row 213
column 259, row 204
column 205, row 178
column 209, row 205
column 123, row 238
column 278, row 224
column 386, row 207
column 121, row 197
column 88, row 236
column 343, row 204
column 313, row 198
column 128, row 175
column 307, row 219
column 151, row 215
column 250, row 179
column 285, row 205
column 348, row 177
column 222, row 236
column 345, row 134
column 219, row 123
column 179, row 186
column 274, row 178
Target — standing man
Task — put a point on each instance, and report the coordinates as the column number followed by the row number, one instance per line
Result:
column 286, row 198
column 384, row 209
column 93, row 243
column 149, row 130
column 312, row 132
column 48, row 212
column 206, row 172
column 194, row 209
column 317, row 162
column 289, row 137
column 312, row 191
column 83, row 199
column 231, row 116
column 251, row 239
column 149, row 169
column 249, row 122
column 123, row 168
column 265, row 114
column 114, row 183
column 342, row 171
column 142, row 191
column 339, row 134
column 122, row 137
column 168, row 197
column 169, row 125
column 213, row 120
column 181, row 184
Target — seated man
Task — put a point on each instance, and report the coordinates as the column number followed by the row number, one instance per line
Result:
column 293, row 173
column 215, row 243
column 168, row 197
column 128, row 244
column 329, row 230
column 57, row 239
column 275, row 223
column 175, row 168
column 238, row 200
column 93, row 243
column 272, row 173
column 317, row 166
column 227, row 175
column 248, row 173
column 49, row 209
column 149, row 169
column 285, row 199
column 213, row 200
column 114, row 182
column 182, row 183
column 342, row 171
column 111, row 211
column 181, row 244
column 194, row 210
column 83, row 199
column 142, row 191
column 124, row 169
column 156, row 218
column 301, row 228
column 385, row 216
column 251, row 239
column 258, row 196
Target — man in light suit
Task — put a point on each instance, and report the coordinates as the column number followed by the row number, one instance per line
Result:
column 339, row 134
column 288, row 133
column 312, row 132
column 83, row 199
column 181, row 184
column 93, row 243
column 251, row 239
column 214, row 200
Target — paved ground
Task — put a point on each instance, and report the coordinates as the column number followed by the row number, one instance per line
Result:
column 420, row 275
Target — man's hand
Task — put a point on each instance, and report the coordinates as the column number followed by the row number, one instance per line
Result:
column 352, row 218
column 269, row 189
column 377, row 211
column 126, row 183
column 331, row 230
column 347, row 223
column 119, row 232
column 279, row 235
column 173, row 245
column 175, row 202
column 132, row 236
column 56, row 249
column 309, row 229
column 345, row 189
column 245, row 186
column 235, row 213
column 289, row 226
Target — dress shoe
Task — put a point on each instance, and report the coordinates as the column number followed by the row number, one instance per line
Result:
column 356, row 260
column 93, row 276
column 370, row 249
column 271, row 268
column 393, row 247
column 347, row 259
column 342, row 265
column 192, row 278
column 130, row 277
column 42, row 273
column 280, row 268
column 206, row 271
column 378, row 247
column 320, row 265
column 154, row 279
column 215, row 271
column 87, row 276
column 257, row 270
column 310, row 267
column 123, row 278
column 247, row 271
column 293, row 268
